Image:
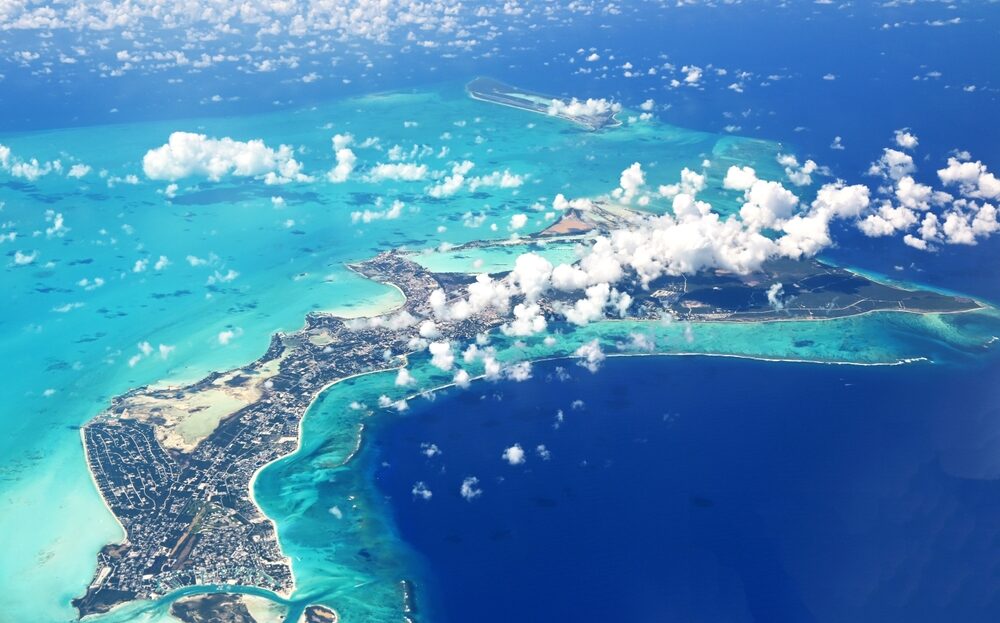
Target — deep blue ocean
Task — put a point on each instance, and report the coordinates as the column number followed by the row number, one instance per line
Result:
column 708, row 489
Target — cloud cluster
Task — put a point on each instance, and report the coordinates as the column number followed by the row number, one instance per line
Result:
column 31, row 169
column 586, row 108
column 928, row 217
column 345, row 159
column 187, row 154
column 459, row 178
column 689, row 237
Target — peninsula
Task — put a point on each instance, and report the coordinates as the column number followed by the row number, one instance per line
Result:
column 175, row 464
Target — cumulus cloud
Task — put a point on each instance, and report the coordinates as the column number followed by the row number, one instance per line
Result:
column 692, row 74
column 421, row 491
column 528, row 320
column 591, row 356
column 691, row 184
column 228, row 335
column 775, row 296
column 442, row 356
column 398, row 171
column 739, row 178
column 893, row 164
column 462, row 379
column 367, row 216
column 78, row 171
column 470, row 488
column 497, row 179
column 187, row 154
column 906, row 140
column 798, row 174
column 514, row 455
column 452, row 183
column 23, row 259
column 346, row 160
column 972, row 178
column 586, row 108
column 404, row 378
column 31, row 169
column 928, row 217
column 767, row 205
column 517, row 221
column 630, row 183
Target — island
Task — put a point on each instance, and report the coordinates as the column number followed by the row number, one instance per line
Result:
column 227, row 608
column 591, row 115
column 176, row 465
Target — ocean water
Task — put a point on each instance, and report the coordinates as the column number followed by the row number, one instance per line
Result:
column 76, row 319
column 352, row 544
column 764, row 501
column 705, row 489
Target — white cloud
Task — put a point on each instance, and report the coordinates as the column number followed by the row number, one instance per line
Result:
column 517, row 221
column 452, row 183
column 345, row 165
column 519, row 372
column 972, row 178
column 887, row 220
column 498, row 179
column 913, row 195
column 228, row 335
column 340, row 141
column 23, row 259
column 195, row 155
column 739, row 178
column 528, row 320
column 906, row 139
column 57, row 225
column 398, row 171
column 798, row 174
column 78, row 171
column 591, row 356
column 893, row 164
column 630, row 183
column 514, row 455
column 691, row 184
column 32, row 169
column 442, row 356
column 587, row 108
column 367, row 216
column 531, row 274
column 404, row 378
column 470, row 488
column 767, row 205
column 774, row 296
column 421, row 492
column 692, row 74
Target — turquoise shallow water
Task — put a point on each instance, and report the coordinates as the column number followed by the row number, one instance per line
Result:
column 65, row 346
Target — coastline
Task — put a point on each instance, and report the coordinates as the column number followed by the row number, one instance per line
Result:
column 404, row 361
column 298, row 447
